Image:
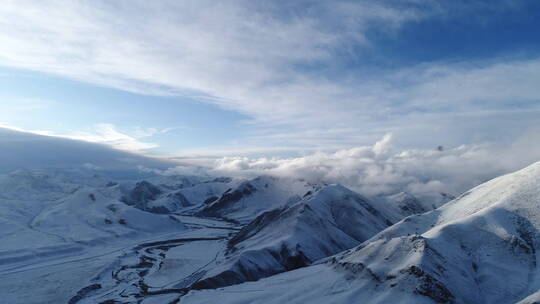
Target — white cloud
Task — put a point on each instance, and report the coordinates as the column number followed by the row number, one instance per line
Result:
column 249, row 57
column 255, row 59
column 381, row 169
column 103, row 134
column 91, row 166
column 109, row 135
column 21, row 149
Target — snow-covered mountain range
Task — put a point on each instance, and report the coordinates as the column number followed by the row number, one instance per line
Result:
column 84, row 235
column 479, row 248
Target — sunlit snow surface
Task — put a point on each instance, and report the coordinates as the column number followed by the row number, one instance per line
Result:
column 480, row 248
column 80, row 237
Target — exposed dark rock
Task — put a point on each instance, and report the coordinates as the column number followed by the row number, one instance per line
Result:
column 412, row 206
column 245, row 272
column 180, row 199
column 429, row 286
column 336, row 212
column 447, row 197
column 142, row 194
column 157, row 209
column 254, row 227
column 220, row 180
column 111, row 302
column 356, row 269
column 83, row 292
column 408, row 204
column 210, row 200
column 112, row 207
column 228, row 199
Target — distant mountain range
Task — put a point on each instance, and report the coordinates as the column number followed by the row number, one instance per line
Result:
column 83, row 235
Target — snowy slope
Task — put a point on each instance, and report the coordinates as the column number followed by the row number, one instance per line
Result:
column 209, row 190
column 532, row 299
column 196, row 189
column 25, row 184
column 326, row 222
column 88, row 216
column 480, row 248
column 173, row 193
column 255, row 196
column 405, row 204
column 24, row 195
column 54, row 218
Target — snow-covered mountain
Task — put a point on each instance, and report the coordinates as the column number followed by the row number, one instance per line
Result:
column 406, row 204
column 174, row 193
column 252, row 197
column 80, row 233
column 58, row 217
column 89, row 216
column 479, row 248
column 323, row 223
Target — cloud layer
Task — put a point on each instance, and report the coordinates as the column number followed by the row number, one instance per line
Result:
column 23, row 150
column 103, row 133
column 281, row 65
column 381, row 169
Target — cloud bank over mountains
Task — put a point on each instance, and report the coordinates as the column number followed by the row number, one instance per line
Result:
column 381, row 169
column 24, row 150
column 310, row 77
column 378, row 169
column 106, row 134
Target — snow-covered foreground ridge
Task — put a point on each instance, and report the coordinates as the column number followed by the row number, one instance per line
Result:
column 479, row 248
column 74, row 236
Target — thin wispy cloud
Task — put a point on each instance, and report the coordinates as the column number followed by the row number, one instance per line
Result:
column 279, row 64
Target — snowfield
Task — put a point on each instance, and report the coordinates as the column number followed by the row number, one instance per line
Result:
column 480, row 248
column 80, row 236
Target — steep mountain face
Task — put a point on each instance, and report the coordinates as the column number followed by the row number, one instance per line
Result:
column 172, row 194
column 200, row 194
column 406, row 204
column 452, row 253
column 479, row 248
column 142, row 193
column 255, row 196
column 323, row 223
column 148, row 197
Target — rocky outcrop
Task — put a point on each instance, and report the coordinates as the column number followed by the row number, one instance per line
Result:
column 141, row 194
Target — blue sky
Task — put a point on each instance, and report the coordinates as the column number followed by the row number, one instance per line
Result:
column 42, row 102
column 207, row 78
